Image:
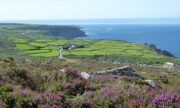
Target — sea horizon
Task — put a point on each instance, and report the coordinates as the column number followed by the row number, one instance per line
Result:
column 164, row 34
column 154, row 21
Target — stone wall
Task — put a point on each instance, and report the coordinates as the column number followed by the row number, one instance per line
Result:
column 122, row 71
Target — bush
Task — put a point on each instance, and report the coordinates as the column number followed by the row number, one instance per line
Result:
column 23, row 99
column 52, row 100
column 75, row 83
column 167, row 98
column 164, row 80
column 134, row 97
column 21, row 76
column 6, row 94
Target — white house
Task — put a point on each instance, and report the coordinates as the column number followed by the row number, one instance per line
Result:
column 170, row 65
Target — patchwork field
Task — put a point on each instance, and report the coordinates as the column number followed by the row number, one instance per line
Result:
column 34, row 41
column 47, row 48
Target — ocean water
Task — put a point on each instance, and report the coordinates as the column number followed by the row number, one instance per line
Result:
column 166, row 37
column 163, row 32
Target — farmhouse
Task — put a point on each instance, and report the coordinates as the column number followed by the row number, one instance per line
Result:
column 170, row 65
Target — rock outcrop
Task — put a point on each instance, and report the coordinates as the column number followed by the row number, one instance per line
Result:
column 122, row 71
column 163, row 74
column 28, row 61
column 159, row 51
column 153, row 84
column 86, row 75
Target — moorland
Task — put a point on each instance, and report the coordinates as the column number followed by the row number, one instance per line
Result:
column 32, row 75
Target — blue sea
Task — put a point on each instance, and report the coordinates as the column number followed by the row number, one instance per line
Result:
column 166, row 37
column 163, row 32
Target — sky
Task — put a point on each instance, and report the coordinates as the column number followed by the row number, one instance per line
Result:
column 87, row 9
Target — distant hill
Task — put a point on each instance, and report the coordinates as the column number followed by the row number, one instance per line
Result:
column 52, row 30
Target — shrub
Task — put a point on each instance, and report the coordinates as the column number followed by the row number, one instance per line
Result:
column 6, row 94
column 49, row 67
column 167, row 98
column 52, row 100
column 75, row 83
column 21, row 76
column 23, row 99
column 164, row 80
column 133, row 97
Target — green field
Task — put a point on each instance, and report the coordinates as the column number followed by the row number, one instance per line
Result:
column 30, row 40
column 92, row 47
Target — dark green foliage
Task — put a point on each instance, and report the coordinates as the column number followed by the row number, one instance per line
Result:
column 164, row 80
column 7, row 59
column 6, row 95
column 61, row 31
column 162, row 52
column 21, row 76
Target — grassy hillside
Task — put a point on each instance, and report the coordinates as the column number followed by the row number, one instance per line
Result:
column 30, row 40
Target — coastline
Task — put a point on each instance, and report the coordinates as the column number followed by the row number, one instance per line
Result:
column 75, row 32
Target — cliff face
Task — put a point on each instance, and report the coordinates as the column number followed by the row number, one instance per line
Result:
column 60, row 31
column 52, row 30
column 159, row 51
column 66, row 31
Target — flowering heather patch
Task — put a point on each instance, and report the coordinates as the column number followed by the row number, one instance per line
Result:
column 75, row 83
column 178, row 76
column 25, row 98
column 73, row 73
column 1, row 82
column 67, row 85
column 49, row 67
column 44, row 86
column 167, row 98
column 88, row 71
column 153, row 75
column 52, row 100
column 133, row 97
column 22, row 92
